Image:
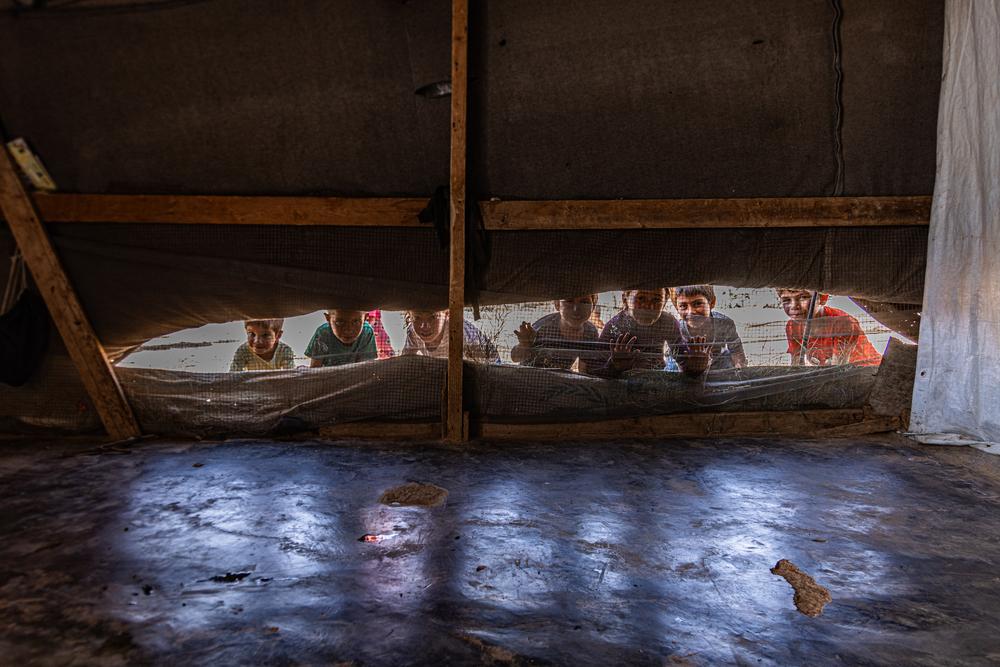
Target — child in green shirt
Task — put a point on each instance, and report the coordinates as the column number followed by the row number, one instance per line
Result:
column 345, row 338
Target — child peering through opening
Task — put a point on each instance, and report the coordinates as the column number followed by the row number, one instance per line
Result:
column 834, row 337
column 345, row 338
column 559, row 339
column 638, row 336
column 263, row 350
column 427, row 335
column 696, row 306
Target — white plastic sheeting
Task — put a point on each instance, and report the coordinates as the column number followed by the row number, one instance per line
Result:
column 956, row 397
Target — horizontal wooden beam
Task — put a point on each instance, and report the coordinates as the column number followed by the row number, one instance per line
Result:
column 706, row 213
column 804, row 423
column 868, row 426
column 497, row 215
column 383, row 431
column 225, row 210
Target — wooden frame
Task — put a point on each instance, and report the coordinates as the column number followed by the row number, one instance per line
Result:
column 706, row 213
column 81, row 342
column 454, row 416
column 226, row 210
column 697, row 424
column 497, row 215
column 851, row 422
column 383, row 431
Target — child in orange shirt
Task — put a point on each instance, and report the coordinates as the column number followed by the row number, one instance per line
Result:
column 835, row 337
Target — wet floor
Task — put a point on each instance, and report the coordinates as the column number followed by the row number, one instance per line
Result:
column 251, row 552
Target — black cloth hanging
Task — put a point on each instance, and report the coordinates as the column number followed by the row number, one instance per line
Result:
column 477, row 240
column 24, row 336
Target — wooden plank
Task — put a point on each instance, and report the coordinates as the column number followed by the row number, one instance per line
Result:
column 383, row 431
column 706, row 213
column 81, row 342
column 498, row 215
column 868, row 426
column 223, row 210
column 807, row 423
column 455, row 430
column 798, row 423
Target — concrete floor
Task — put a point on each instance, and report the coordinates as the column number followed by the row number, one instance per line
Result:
column 247, row 552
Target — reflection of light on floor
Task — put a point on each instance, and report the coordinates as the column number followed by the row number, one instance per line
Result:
column 524, row 574
column 753, row 521
column 237, row 520
column 394, row 569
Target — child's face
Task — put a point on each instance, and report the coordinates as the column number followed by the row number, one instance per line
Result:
column 646, row 306
column 428, row 324
column 346, row 324
column 696, row 305
column 262, row 339
column 694, row 310
column 795, row 303
column 575, row 312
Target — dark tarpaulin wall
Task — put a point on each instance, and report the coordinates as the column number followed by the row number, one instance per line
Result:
column 233, row 96
column 569, row 100
column 636, row 99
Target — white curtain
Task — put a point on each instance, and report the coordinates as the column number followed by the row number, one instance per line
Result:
column 956, row 397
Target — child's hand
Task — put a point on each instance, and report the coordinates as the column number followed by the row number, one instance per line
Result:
column 622, row 353
column 814, row 360
column 526, row 335
column 699, row 355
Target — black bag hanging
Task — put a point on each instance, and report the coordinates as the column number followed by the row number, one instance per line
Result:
column 24, row 328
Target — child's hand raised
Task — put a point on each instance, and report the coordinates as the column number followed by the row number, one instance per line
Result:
column 526, row 335
column 699, row 355
column 622, row 353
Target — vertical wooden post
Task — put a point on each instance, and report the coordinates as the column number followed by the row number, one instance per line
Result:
column 453, row 419
column 84, row 348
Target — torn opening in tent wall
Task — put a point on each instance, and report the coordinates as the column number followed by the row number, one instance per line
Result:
column 524, row 365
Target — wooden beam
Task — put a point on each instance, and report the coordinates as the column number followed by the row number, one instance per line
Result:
column 867, row 426
column 498, row 215
column 454, row 422
column 81, row 342
column 842, row 423
column 223, row 210
column 383, row 431
column 804, row 423
column 706, row 213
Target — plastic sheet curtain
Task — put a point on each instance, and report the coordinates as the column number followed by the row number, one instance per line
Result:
column 957, row 391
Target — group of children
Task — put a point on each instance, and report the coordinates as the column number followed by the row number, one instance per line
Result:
column 641, row 336
column 351, row 336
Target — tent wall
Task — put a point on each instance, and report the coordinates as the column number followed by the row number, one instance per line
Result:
column 592, row 99
column 956, row 393
column 633, row 99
